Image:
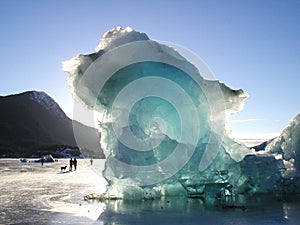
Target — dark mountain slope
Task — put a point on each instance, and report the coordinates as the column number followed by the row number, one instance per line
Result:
column 32, row 120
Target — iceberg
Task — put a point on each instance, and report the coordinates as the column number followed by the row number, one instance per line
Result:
column 163, row 123
column 276, row 163
column 287, row 145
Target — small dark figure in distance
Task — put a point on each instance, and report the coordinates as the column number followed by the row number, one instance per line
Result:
column 42, row 160
column 91, row 160
column 71, row 164
column 63, row 168
column 75, row 163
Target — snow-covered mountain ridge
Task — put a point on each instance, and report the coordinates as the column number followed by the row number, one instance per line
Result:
column 46, row 101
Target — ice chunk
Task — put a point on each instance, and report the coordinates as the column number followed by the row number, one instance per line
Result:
column 162, row 121
column 288, row 144
column 262, row 172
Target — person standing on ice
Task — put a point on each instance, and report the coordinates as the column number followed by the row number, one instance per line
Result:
column 75, row 163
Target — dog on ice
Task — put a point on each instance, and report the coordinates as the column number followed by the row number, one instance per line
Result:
column 63, row 168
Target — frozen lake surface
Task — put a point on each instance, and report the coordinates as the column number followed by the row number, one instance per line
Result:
column 35, row 194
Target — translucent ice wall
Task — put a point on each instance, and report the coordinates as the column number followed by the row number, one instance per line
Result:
column 288, row 145
column 163, row 125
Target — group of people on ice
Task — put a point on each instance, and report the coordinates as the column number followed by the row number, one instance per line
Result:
column 73, row 162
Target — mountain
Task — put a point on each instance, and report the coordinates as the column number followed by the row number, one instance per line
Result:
column 32, row 123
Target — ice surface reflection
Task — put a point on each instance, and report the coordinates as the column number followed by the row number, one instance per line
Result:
column 266, row 209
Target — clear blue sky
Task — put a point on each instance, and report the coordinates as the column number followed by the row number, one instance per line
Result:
column 253, row 45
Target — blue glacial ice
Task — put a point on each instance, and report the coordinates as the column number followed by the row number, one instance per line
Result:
column 163, row 124
column 287, row 145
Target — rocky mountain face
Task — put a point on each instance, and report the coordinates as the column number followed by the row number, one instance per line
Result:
column 32, row 123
